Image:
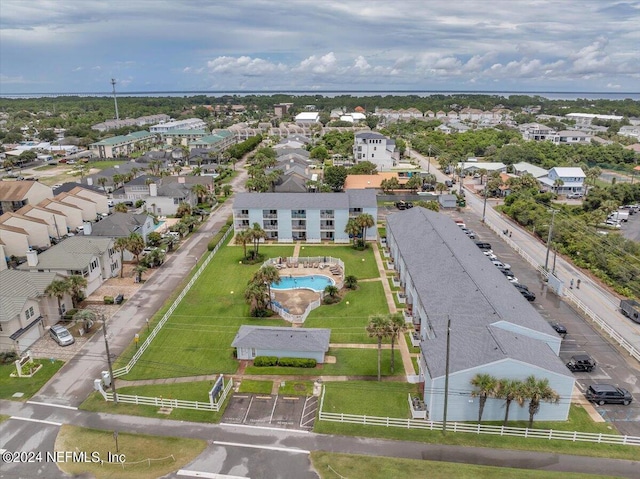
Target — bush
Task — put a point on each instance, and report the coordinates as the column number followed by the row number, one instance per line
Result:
column 109, row 300
column 297, row 362
column 68, row 315
column 8, row 357
column 265, row 361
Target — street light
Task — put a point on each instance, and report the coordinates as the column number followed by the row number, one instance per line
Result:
column 546, row 260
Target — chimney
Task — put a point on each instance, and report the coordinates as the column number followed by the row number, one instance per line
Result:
column 32, row 258
column 153, row 189
column 87, row 228
column 89, row 181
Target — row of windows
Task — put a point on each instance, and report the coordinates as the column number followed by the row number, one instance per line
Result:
column 29, row 313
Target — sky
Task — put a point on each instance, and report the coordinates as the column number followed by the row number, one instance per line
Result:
column 53, row 46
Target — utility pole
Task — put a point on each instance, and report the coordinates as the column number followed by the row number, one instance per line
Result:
column 115, row 100
column 446, row 378
column 546, row 261
column 484, row 207
column 106, row 345
column 429, row 161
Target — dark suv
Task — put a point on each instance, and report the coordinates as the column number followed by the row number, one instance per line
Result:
column 581, row 362
column 607, row 393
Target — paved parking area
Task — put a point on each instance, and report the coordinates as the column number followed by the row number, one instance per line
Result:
column 271, row 410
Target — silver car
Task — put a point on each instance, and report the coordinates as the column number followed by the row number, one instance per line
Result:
column 61, row 335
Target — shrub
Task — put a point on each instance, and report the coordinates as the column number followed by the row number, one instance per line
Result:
column 8, row 357
column 297, row 362
column 264, row 361
column 68, row 315
column 108, row 300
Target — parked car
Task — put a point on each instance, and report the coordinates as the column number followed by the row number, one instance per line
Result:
column 119, row 299
column 560, row 329
column 631, row 309
column 608, row 394
column 448, row 183
column 581, row 362
column 500, row 264
column 404, row 205
column 509, row 275
column 528, row 295
column 521, row 286
column 574, row 196
column 489, row 254
column 61, row 335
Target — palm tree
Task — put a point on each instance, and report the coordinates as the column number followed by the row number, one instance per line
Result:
column 352, row 229
column 482, row 172
column 120, row 208
column 331, row 290
column 77, row 284
column 227, row 190
column 484, row 385
column 510, row 390
column 121, row 244
column 200, row 191
column 365, row 221
column 255, row 296
column 267, row 275
column 351, row 282
column 102, row 181
column 537, row 390
column 557, row 184
column 58, row 288
column 440, row 187
column 139, row 270
column 135, row 244
column 593, row 174
column 378, row 327
column 242, row 237
column 397, row 326
column 256, row 234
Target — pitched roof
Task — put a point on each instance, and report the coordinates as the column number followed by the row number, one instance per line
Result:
column 68, row 187
column 569, row 171
column 348, row 199
column 288, row 339
column 73, row 253
column 369, row 135
column 533, row 170
column 454, row 280
column 7, row 216
column 15, row 190
column 16, row 287
column 118, row 224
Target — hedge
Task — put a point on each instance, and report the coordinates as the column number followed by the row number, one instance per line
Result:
column 266, row 361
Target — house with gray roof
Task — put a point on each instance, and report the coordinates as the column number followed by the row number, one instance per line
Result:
column 92, row 257
column 253, row 341
column 493, row 329
column 122, row 145
column 376, row 148
column 564, row 180
column 310, row 217
column 26, row 311
column 121, row 225
column 523, row 168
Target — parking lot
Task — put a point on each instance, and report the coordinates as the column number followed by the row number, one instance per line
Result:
column 271, row 410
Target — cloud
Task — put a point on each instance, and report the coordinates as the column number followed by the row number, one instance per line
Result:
column 244, row 66
column 318, row 64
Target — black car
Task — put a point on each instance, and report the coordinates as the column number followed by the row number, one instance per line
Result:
column 484, row 246
column 560, row 329
column 528, row 295
column 581, row 362
column 448, row 183
column 608, row 394
column 521, row 286
column 404, row 205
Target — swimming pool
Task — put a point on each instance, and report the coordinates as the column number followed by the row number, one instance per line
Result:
column 160, row 226
column 315, row 282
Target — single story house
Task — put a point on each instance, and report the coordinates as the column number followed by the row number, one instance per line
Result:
column 253, row 341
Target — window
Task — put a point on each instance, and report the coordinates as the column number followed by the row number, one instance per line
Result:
column 29, row 313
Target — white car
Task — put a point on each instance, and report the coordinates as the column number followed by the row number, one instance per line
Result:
column 500, row 264
column 489, row 254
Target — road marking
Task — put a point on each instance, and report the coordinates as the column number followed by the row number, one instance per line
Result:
column 28, row 419
column 244, row 419
column 273, row 409
column 37, row 403
column 229, row 424
column 268, row 448
column 207, row 475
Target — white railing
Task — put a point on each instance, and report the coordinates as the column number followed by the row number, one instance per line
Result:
column 145, row 344
column 297, row 318
column 612, row 333
column 173, row 403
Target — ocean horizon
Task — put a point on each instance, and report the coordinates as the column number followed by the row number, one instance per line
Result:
column 551, row 95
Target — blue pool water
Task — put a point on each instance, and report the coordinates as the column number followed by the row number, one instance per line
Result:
column 314, row 282
column 159, row 226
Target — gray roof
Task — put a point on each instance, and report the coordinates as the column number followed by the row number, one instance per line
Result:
column 16, row 287
column 174, row 190
column 73, row 253
column 117, row 225
column 349, row 199
column 288, row 339
column 533, row 170
column 67, row 187
column 369, row 135
column 455, row 281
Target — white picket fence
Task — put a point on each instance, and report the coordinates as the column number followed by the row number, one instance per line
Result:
column 173, row 403
column 422, row 424
column 143, row 347
column 612, row 333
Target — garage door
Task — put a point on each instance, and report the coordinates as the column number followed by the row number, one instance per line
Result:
column 29, row 336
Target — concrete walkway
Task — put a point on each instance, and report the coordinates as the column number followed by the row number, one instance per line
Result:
column 296, row 249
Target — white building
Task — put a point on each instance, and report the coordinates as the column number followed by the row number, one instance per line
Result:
column 188, row 124
column 308, row 118
column 572, row 179
column 376, row 148
column 587, row 118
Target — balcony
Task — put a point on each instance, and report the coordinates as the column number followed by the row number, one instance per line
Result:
column 299, row 215
column 298, row 226
column 269, row 215
column 242, row 215
column 327, row 227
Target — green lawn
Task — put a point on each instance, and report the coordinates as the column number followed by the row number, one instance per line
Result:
column 256, row 387
column 352, row 258
column 368, row 467
column 296, row 388
column 348, row 322
column 28, row 386
column 384, row 399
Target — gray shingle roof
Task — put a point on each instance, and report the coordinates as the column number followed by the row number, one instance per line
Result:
column 348, row 199
column 454, row 280
column 16, row 287
column 73, row 253
column 118, row 224
column 288, row 339
column 369, row 135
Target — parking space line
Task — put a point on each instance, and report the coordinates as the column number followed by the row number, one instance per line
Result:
column 207, row 475
column 38, row 403
column 41, row 421
column 268, row 448
column 287, row 430
column 273, row 409
column 244, row 419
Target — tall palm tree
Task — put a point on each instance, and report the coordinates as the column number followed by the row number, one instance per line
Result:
column 379, row 328
column 255, row 294
column 102, row 181
column 121, row 244
column 267, row 275
column 557, row 183
column 227, row 190
column 77, row 284
column 242, row 237
column 57, row 288
column 256, row 234
column 200, row 191
column 139, row 270
column 352, row 229
column 485, row 385
column 510, row 390
column 365, row 221
column 536, row 391
column 135, row 244
column 397, row 326
column 440, row 187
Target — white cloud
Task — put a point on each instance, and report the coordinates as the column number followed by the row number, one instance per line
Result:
column 244, row 65
column 318, row 64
